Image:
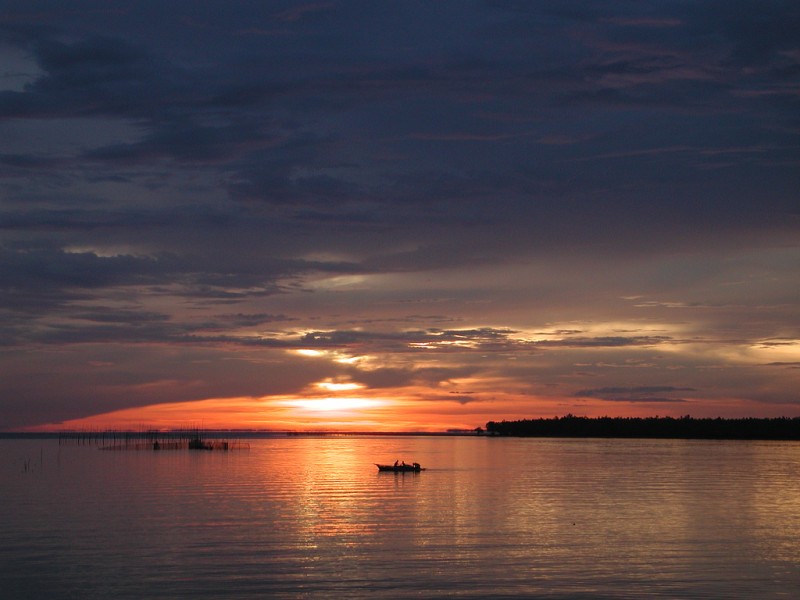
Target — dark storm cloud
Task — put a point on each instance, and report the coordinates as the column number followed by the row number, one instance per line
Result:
column 95, row 75
column 48, row 268
column 22, row 161
column 107, row 315
column 38, row 267
column 78, row 219
column 185, row 142
column 185, row 115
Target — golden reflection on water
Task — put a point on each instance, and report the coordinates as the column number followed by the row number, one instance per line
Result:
column 776, row 505
column 657, row 506
column 521, row 517
column 325, row 498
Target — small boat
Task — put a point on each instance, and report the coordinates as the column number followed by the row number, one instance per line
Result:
column 400, row 468
column 198, row 444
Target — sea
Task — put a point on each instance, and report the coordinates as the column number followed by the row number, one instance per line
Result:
column 311, row 517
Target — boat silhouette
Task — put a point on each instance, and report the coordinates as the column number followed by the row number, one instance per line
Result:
column 400, row 467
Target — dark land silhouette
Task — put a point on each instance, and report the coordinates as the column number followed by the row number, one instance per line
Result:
column 782, row 428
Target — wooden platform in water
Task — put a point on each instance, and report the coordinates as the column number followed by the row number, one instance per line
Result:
column 178, row 445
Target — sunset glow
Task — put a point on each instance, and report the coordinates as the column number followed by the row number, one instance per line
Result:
column 348, row 406
column 423, row 216
column 331, row 386
column 363, row 299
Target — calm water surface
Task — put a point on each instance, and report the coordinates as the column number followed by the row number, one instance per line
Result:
column 490, row 518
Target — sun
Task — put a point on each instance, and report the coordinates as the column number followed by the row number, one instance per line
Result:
column 331, row 386
column 331, row 404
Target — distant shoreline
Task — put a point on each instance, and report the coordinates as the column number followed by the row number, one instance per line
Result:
column 222, row 433
column 570, row 426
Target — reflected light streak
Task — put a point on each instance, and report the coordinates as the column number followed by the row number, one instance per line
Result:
column 327, row 500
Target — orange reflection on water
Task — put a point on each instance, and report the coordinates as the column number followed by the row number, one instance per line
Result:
column 330, row 497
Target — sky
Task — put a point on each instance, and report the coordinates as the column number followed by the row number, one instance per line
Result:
column 397, row 215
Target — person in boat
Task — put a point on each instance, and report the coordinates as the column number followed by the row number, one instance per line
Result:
column 395, row 463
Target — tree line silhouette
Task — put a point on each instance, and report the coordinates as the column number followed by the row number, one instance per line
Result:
column 686, row 427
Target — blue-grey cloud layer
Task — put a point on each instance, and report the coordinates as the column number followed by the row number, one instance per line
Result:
column 166, row 167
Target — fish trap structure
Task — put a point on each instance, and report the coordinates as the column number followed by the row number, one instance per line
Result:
column 159, row 445
column 151, row 440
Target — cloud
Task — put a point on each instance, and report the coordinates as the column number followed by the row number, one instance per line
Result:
column 29, row 161
column 394, row 377
column 645, row 21
column 607, row 341
column 48, row 269
column 431, row 340
column 188, row 142
column 302, row 11
column 251, row 320
column 635, row 394
column 93, row 75
column 258, row 179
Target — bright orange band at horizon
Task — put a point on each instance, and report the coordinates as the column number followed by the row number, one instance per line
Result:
column 415, row 409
